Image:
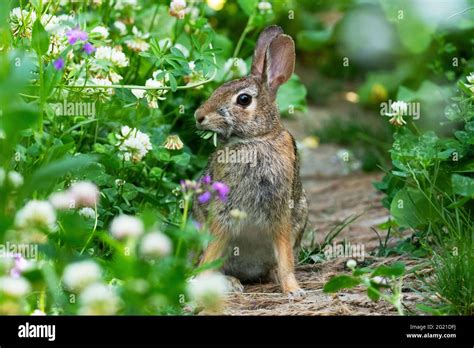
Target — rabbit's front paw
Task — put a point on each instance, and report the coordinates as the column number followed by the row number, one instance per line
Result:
column 234, row 285
column 297, row 294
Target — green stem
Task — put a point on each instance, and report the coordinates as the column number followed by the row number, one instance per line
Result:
column 247, row 30
column 93, row 231
column 42, row 101
column 184, row 220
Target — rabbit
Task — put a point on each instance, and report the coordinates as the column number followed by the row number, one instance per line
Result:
column 245, row 116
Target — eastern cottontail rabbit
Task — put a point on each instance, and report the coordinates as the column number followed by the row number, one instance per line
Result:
column 245, row 115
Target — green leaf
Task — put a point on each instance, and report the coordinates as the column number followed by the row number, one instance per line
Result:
column 415, row 33
column 361, row 271
column 312, row 40
column 182, row 159
column 395, row 270
column 40, row 38
column 173, row 83
column 248, row 6
column 292, row 96
column 463, row 185
column 340, row 282
column 410, row 208
column 373, row 293
column 47, row 175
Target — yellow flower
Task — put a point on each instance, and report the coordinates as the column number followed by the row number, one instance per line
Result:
column 311, row 142
column 238, row 214
column 216, row 5
column 173, row 142
column 378, row 93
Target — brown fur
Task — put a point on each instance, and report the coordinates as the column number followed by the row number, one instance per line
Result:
column 270, row 191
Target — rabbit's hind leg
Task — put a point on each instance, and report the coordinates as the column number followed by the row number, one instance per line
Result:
column 286, row 263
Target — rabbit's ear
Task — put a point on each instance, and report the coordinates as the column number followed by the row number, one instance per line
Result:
column 266, row 36
column 279, row 62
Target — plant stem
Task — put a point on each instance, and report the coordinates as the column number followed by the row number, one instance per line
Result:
column 184, row 220
column 93, row 231
column 246, row 30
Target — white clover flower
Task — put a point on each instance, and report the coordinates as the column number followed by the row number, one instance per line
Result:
column 113, row 55
column 154, row 95
column 103, row 93
column 208, row 289
column 183, row 49
column 57, row 44
column 236, row 67
column 62, row 200
column 125, row 226
column 155, row 244
column 21, row 22
column 380, row 280
column 178, row 8
column 102, row 31
column 399, row 107
column 192, row 65
column 121, row 27
column 87, row 212
column 138, row 93
column 264, row 6
column 51, row 23
column 470, row 77
column 165, row 44
column 157, row 72
column 15, row 179
column 133, row 143
column 138, row 43
column 351, row 264
column 114, row 77
column 84, row 193
column 36, row 214
column 121, row 4
column 38, row 312
column 14, row 286
column 77, row 276
column 98, row 299
column 173, row 142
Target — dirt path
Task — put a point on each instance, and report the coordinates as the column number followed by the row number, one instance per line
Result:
column 334, row 194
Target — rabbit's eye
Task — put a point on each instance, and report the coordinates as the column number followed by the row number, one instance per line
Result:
column 244, row 99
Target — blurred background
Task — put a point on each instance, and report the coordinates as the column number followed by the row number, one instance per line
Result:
column 353, row 55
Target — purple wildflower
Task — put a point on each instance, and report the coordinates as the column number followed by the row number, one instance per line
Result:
column 197, row 224
column 206, row 180
column 20, row 265
column 76, row 34
column 88, row 48
column 221, row 189
column 59, row 64
column 205, row 197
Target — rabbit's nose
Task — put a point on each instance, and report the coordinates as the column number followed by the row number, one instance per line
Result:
column 199, row 117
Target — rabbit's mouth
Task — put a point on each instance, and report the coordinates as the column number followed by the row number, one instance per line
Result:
column 222, row 128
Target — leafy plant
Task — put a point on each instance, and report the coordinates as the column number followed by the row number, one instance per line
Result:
column 383, row 282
